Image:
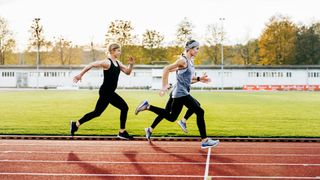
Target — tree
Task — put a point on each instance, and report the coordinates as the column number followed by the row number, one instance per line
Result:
column 213, row 38
column 119, row 31
column 250, row 52
column 7, row 43
column 308, row 45
column 277, row 42
column 152, row 39
column 63, row 48
column 37, row 40
column 184, row 32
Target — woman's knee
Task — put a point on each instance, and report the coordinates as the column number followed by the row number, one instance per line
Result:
column 96, row 113
column 125, row 108
column 199, row 111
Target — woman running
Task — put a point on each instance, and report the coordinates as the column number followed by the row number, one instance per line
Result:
column 182, row 123
column 181, row 94
column 107, row 95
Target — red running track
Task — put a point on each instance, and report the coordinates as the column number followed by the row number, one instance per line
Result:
column 54, row 159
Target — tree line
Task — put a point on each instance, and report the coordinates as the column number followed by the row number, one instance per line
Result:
column 282, row 42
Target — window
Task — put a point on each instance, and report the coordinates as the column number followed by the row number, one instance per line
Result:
column 7, row 74
column 225, row 74
column 313, row 74
column 54, row 74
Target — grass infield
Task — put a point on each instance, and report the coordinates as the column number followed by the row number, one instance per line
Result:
column 228, row 114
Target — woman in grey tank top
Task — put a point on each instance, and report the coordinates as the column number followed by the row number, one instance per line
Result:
column 181, row 94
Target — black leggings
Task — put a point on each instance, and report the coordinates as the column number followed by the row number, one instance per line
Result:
column 176, row 107
column 168, row 108
column 102, row 103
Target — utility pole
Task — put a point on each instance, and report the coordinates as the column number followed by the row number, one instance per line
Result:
column 222, row 63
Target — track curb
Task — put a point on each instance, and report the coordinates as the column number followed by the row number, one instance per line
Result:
column 113, row 138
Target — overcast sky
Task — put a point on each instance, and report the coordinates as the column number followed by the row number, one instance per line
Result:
column 84, row 20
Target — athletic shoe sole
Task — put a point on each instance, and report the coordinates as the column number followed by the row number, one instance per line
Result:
column 71, row 129
column 120, row 137
column 210, row 146
column 146, row 131
column 141, row 104
column 183, row 129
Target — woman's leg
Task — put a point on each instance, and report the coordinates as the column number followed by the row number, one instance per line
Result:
column 191, row 103
column 159, row 118
column 173, row 113
column 101, row 105
column 119, row 103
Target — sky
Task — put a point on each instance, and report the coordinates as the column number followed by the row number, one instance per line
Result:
column 83, row 21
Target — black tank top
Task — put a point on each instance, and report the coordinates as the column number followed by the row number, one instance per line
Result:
column 110, row 78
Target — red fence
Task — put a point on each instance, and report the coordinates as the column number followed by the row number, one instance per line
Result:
column 282, row 87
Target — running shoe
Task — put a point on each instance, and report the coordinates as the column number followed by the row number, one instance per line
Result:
column 148, row 133
column 143, row 106
column 209, row 143
column 183, row 126
column 124, row 135
column 73, row 127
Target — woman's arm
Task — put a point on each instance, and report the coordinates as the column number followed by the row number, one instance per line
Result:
column 204, row 79
column 103, row 63
column 179, row 64
column 127, row 69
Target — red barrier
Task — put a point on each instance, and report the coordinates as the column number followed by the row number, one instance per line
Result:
column 282, row 87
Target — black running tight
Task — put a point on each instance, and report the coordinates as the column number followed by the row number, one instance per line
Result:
column 158, row 119
column 102, row 103
column 172, row 113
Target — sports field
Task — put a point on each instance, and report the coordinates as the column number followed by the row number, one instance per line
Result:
column 236, row 114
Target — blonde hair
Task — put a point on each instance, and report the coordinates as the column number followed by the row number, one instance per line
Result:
column 113, row 47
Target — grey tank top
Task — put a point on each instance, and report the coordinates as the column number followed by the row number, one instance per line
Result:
column 184, row 78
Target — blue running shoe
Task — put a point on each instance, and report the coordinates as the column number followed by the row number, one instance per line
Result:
column 183, row 126
column 143, row 106
column 209, row 143
column 148, row 133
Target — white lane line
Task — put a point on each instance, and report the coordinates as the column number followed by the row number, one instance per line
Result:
column 100, row 162
column 157, row 175
column 103, row 175
column 263, row 177
column 159, row 163
column 156, row 153
column 100, row 153
column 207, row 164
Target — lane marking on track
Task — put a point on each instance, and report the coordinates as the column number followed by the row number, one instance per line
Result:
column 102, row 153
column 262, row 177
column 102, row 175
column 156, row 175
column 156, row 153
column 207, row 163
column 206, row 172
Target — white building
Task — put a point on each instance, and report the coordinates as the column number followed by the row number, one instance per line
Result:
column 149, row 76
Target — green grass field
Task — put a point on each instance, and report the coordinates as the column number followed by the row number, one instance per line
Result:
column 236, row 114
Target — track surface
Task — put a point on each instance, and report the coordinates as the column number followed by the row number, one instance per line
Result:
column 72, row 159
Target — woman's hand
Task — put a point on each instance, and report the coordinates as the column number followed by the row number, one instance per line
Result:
column 131, row 60
column 164, row 89
column 204, row 78
column 77, row 78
